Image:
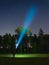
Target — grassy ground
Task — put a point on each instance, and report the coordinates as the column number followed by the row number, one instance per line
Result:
column 25, row 55
column 24, row 59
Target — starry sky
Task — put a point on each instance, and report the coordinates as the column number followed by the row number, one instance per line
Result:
column 13, row 14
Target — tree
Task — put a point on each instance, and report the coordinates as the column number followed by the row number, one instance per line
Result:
column 41, row 32
column 13, row 44
column 7, row 40
column 35, row 43
column 20, row 29
column 41, row 39
column 0, row 40
column 46, row 43
column 24, row 40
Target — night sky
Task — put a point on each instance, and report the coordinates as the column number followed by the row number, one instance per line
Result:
column 13, row 14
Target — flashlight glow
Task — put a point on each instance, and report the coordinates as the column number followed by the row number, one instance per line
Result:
column 30, row 16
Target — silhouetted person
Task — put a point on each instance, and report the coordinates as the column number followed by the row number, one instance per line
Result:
column 13, row 52
column 13, row 49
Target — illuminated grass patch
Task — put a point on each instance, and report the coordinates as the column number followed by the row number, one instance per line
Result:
column 25, row 55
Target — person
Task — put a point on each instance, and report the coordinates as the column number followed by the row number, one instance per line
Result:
column 13, row 52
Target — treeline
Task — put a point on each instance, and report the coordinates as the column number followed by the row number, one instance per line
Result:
column 29, row 44
column 7, row 41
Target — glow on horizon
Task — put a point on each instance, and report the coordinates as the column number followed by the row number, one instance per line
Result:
column 30, row 16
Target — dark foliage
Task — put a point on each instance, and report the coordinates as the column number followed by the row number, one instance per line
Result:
column 29, row 44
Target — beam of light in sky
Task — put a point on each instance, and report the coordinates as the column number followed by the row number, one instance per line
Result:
column 30, row 16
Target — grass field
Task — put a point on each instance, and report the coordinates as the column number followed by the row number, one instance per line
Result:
column 24, row 59
column 25, row 55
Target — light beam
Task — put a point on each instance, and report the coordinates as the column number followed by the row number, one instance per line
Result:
column 30, row 16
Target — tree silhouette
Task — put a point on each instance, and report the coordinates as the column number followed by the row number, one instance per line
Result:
column 41, row 39
column 24, row 41
column 41, row 32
